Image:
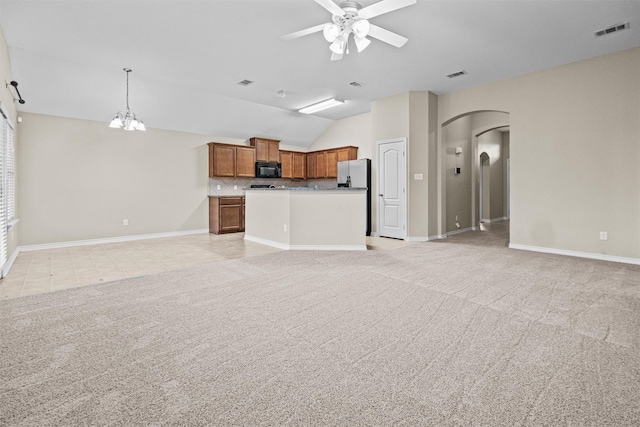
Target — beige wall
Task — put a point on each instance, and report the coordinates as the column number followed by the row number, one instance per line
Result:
column 389, row 120
column 574, row 150
column 458, row 188
column 80, row 179
column 354, row 131
column 411, row 115
column 505, row 173
column 10, row 106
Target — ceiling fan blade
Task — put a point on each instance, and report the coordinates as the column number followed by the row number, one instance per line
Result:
column 383, row 6
column 331, row 7
column 336, row 56
column 302, row 33
column 387, row 36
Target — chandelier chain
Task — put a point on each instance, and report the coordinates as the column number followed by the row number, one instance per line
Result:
column 129, row 120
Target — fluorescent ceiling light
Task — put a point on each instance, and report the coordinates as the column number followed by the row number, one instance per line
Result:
column 322, row 105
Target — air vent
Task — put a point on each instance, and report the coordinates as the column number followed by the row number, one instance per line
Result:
column 612, row 29
column 356, row 84
column 245, row 83
column 457, row 74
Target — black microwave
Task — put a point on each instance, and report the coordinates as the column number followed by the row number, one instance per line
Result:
column 268, row 170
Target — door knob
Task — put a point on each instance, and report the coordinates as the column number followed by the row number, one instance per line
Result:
column 381, row 195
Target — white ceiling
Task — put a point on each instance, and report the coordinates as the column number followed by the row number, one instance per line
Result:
column 188, row 56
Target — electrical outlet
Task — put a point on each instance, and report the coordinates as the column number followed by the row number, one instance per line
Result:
column 604, row 235
column 125, row 222
column 218, row 187
column 285, row 227
column 235, row 187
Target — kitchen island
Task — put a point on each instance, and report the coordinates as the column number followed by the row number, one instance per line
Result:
column 307, row 218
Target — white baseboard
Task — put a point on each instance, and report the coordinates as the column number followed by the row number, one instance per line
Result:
column 462, row 230
column 7, row 265
column 109, row 240
column 601, row 257
column 287, row 247
column 502, row 218
column 427, row 239
column 417, row 239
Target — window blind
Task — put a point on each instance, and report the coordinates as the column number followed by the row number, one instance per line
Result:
column 11, row 175
column 4, row 131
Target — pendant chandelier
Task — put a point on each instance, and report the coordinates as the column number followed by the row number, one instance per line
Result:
column 128, row 120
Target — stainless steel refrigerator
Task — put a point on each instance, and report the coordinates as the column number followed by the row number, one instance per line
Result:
column 357, row 173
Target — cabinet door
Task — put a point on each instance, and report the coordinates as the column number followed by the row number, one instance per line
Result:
column 223, row 160
column 273, row 149
column 286, row 158
column 267, row 150
column 332, row 164
column 299, row 165
column 321, row 164
column 246, row 162
column 231, row 218
column 262, row 150
column 311, row 165
column 347, row 153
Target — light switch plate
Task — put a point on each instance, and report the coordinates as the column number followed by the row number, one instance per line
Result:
column 418, row 177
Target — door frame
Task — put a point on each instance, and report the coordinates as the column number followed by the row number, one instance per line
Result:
column 405, row 218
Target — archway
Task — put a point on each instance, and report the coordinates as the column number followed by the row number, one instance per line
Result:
column 485, row 187
column 463, row 139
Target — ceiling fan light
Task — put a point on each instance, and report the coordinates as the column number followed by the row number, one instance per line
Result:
column 361, row 28
column 362, row 43
column 331, row 32
column 338, row 46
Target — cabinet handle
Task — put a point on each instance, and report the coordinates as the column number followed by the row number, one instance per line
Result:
column 381, row 195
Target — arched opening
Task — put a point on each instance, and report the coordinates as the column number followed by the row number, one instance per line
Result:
column 485, row 188
column 477, row 145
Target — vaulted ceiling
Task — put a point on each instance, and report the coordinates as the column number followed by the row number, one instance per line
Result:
column 189, row 56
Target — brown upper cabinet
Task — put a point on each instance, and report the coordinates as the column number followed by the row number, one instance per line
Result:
column 226, row 160
column 293, row 164
column 286, row 163
column 299, row 165
column 311, row 165
column 347, row 153
column 267, row 150
column 324, row 164
column 332, row 164
column 321, row 164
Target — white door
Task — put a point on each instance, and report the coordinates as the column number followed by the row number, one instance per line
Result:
column 391, row 188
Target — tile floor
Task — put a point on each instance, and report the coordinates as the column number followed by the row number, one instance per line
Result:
column 49, row 270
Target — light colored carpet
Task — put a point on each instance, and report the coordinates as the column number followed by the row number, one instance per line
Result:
column 430, row 334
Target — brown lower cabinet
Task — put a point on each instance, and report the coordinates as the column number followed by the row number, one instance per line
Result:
column 226, row 214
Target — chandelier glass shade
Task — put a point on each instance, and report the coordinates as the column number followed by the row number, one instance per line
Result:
column 127, row 120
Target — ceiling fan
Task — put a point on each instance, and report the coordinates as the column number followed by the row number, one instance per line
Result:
column 351, row 18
